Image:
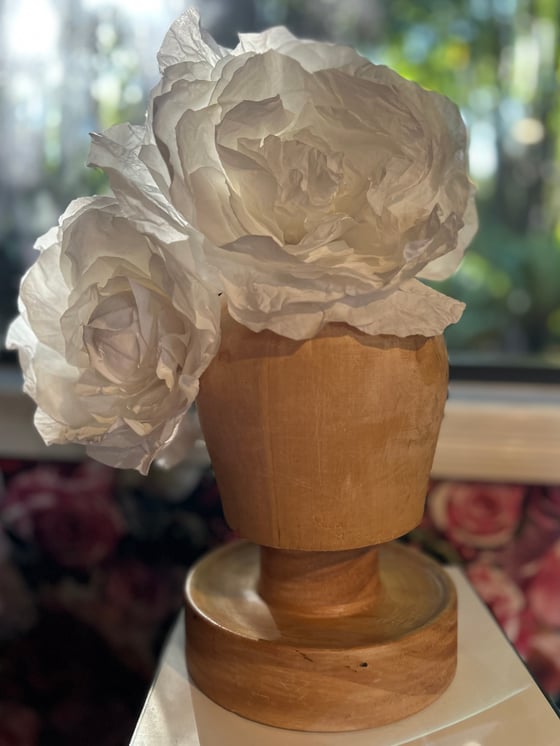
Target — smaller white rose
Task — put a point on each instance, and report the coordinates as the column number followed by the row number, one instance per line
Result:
column 113, row 334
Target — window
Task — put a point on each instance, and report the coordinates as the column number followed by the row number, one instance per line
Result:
column 68, row 68
column 73, row 67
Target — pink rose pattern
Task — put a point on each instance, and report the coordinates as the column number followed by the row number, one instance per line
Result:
column 19, row 725
column 507, row 536
column 92, row 569
column 72, row 518
column 476, row 516
column 92, row 565
column 501, row 595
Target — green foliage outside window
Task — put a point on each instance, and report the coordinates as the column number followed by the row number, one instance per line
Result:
column 499, row 60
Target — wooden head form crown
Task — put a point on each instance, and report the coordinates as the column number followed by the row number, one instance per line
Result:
column 325, row 444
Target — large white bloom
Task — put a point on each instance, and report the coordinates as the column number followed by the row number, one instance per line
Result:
column 113, row 335
column 323, row 184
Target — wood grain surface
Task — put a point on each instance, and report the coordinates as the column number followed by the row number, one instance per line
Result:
column 333, row 672
column 322, row 450
column 325, row 444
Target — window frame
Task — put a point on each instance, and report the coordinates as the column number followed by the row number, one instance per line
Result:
column 495, row 432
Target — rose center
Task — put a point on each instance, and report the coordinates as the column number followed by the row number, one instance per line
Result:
column 134, row 337
column 111, row 338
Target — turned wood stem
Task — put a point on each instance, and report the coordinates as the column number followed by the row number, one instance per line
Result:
column 319, row 583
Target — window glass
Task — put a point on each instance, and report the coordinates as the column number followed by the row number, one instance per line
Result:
column 72, row 66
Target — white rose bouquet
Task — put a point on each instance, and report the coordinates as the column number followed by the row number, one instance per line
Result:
column 295, row 178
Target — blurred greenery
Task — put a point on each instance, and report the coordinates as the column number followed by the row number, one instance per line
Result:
column 499, row 60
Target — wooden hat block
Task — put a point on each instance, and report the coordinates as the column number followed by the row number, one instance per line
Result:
column 322, row 451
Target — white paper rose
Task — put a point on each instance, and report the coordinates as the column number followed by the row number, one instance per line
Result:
column 113, row 334
column 324, row 184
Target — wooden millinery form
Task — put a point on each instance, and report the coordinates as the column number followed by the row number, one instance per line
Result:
column 322, row 451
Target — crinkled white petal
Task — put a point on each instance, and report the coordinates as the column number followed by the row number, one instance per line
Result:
column 167, row 443
column 444, row 266
column 312, row 55
column 140, row 198
column 412, row 309
column 261, row 294
column 186, row 41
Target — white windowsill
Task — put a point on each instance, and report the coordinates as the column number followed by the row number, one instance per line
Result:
column 500, row 432
column 18, row 437
column 495, row 432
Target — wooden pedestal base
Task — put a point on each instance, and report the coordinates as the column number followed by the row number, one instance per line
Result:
column 381, row 647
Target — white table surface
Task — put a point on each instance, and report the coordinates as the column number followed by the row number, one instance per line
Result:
column 492, row 701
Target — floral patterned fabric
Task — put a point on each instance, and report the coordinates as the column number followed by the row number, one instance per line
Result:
column 92, row 564
column 507, row 536
column 92, row 567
